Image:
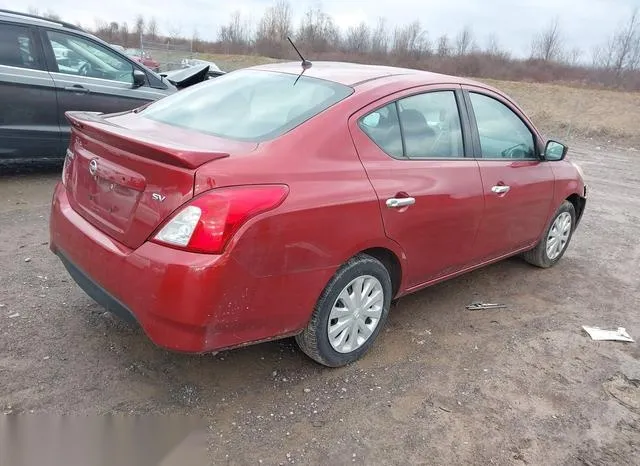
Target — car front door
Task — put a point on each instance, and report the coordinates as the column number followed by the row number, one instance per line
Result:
column 91, row 77
column 28, row 107
column 518, row 185
column 412, row 146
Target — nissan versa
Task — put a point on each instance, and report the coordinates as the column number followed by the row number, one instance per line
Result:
column 284, row 200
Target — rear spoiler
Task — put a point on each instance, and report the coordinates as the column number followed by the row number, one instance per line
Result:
column 93, row 124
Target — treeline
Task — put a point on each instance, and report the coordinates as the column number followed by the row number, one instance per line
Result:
column 615, row 63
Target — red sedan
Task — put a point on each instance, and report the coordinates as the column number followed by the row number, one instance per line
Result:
column 143, row 57
column 269, row 203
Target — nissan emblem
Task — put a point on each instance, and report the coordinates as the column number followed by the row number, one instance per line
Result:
column 93, row 167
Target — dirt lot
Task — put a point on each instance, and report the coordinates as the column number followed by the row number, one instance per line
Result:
column 443, row 385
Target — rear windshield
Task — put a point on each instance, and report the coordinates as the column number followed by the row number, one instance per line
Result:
column 248, row 105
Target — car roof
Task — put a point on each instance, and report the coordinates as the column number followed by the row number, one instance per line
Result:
column 354, row 74
column 35, row 20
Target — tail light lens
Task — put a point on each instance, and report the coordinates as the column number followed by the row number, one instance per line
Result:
column 208, row 222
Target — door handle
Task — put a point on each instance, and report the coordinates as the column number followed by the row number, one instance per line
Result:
column 77, row 88
column 396, row 203
column 500, row 189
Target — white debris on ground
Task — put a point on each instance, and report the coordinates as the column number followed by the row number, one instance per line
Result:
column 599, row 334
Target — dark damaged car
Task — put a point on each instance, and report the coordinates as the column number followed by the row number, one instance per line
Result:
column 50, row 67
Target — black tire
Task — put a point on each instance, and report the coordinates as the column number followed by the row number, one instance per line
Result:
column 538, row 255
column 314, row 340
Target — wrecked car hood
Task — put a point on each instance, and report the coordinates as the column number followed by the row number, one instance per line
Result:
column 186, row 77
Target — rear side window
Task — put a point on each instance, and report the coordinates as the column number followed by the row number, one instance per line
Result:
column 431, row 125
column 17, row 48
column 383, row 128
column 248, row 105
column 423, row 126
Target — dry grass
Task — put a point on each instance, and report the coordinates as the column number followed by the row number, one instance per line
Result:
column 561, row 111
column 234, row 62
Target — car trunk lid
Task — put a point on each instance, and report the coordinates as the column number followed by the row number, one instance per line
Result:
column 126, row 174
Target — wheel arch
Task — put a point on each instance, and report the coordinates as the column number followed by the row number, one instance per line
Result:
column 391, row 262
column 579, row 203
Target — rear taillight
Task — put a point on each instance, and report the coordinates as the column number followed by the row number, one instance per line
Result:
column 208, row 222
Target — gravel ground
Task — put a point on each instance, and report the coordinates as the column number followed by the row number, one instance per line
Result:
column 443, row 385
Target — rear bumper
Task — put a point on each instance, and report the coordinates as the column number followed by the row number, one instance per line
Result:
column 184, row 301
column 96, row 292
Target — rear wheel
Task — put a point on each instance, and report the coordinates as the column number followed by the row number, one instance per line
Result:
column 349, row 314
column 556, row 239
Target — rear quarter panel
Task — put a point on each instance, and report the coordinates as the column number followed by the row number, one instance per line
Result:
column 330, row 214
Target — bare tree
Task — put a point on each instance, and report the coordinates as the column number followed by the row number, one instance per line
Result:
column 547, row 45
column 380, row 38
column 602, row 55
column 464, row 41
column 274, row 28
column 174, row 30
column 100, row 27
column 275, row 24
column 152, row 28
column 195, row 40
column 50, row 14
column 358, row 39
column 124, row 34
column 139, row 26
column 411, row 41
column 113, row 31
column 236, row 34
column 621, row 52
column 32, row 10
column 443, row 46
column 494, row 48
column 626, row 45
column 634, row 62
column 318, row 31
column 572, row 57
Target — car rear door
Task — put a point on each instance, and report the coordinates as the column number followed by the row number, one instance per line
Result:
column 91, row 77
column 518, row 185
column 413, row 148
column 28, row 108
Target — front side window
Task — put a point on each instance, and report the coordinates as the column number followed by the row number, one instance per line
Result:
column 16, row 47
column 502, row 133
column 81, row 57
column 248, row 105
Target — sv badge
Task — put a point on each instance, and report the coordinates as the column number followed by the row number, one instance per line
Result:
column 158, row 197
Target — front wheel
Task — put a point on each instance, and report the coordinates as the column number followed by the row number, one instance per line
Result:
column 556, row 239
column 349, row 314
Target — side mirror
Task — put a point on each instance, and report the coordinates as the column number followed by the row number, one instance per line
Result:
column 139, row 78
column 555, row 151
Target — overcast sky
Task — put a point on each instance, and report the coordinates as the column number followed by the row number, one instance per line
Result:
column 584, row 23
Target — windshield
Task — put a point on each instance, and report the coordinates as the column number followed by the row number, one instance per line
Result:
column 248, row 105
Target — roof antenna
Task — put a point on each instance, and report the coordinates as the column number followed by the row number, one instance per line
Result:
column 305, row 63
